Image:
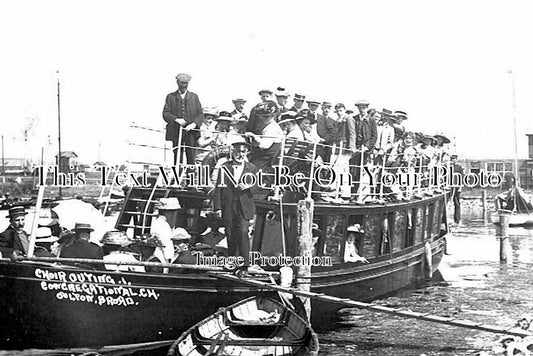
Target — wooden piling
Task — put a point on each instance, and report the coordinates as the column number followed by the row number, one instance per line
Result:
column 484, row 204
column 505, row 245
column 305, row 247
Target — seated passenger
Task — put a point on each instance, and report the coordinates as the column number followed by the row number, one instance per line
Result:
column 167, row 208
column 182, row 253
column 114, row 242
column 14, row 238
column 44, row 241
column 145, row 247
column 354, row 239
column 82, row 248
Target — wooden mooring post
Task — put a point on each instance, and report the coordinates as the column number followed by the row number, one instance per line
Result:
column 305, row 247
column 505, row 245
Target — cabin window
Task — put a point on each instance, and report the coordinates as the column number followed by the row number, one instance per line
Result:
column 384, row 241
column 398, row 230
column 410, row 227
column 435, row 228
column 367, row 246
column 419, row 225
column 335, row 233
column 429, row 222
column 425, row 211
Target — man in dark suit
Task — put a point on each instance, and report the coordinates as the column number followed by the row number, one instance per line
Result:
column 82, row 248
column 14, row 238
column 183, row 113
column 235, row 203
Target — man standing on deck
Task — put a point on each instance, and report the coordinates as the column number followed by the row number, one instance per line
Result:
column 298, row 103
column 14, row 238
column 183, row 113
column 456, row 190
column 235, row 204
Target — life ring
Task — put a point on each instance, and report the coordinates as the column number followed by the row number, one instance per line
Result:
column 218, row 156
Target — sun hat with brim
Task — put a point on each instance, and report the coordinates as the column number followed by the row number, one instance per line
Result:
column 266, row 108
column 168, row 204
column 213, row 111
column 116, row 237
column 83, row 227
column 44, row 234
column 180, row 234
column 443, row 138
column 355, row 228
column 16, row 211
column 148, row 241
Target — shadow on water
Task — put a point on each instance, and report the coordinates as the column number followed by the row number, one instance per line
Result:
column 471, row 284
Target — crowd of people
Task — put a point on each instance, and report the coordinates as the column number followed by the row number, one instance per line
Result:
column 344, row 138
column 162, row 244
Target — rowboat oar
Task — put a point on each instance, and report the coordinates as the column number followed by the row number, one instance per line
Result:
column 515, row 331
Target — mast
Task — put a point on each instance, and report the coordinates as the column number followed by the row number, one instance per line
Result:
column 517, row 176
column 58, row 129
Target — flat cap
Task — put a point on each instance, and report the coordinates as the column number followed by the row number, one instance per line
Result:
column 313, row 102
column 362, row 103
column 299, row 97
column 183, row 77
column 326, row 104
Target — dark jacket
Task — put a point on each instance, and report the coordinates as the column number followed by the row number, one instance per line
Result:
column 367, row 133
column 10, row 241
column 82, row 249
column 189, row 109
column 328, row 129
column 232, row 200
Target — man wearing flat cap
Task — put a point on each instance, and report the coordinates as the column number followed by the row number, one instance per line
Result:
column 235, row 203
column 183, row 113
column 14, row 238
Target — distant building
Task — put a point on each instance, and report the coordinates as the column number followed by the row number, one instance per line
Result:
column 15, row 166
column 68, row 161
column 502, row 167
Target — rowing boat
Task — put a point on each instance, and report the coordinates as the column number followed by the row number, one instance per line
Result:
column 254, row 326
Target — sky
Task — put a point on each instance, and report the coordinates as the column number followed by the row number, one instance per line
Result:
column 446, row 63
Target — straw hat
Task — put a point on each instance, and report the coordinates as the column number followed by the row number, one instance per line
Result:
column 180, row 234
column 115, row 237
column 355, row 228
column 44, row 234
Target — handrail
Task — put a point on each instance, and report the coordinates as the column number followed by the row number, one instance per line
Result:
column 414, row 160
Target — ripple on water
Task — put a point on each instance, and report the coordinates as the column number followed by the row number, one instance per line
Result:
column 474, row 286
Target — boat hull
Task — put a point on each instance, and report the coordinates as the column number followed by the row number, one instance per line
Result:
column 514, row 219
column 46, row 306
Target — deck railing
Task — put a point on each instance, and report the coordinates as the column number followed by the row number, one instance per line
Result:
column 326, row 172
